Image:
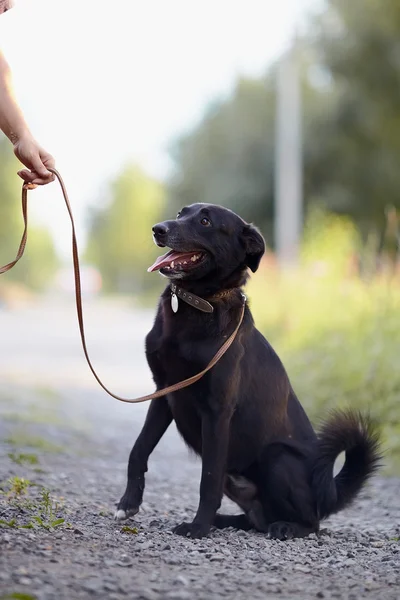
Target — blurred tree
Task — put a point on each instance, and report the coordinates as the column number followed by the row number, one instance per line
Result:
column 39, row 263
column 229, row 158
column 350, row 69
column 10, row 203
column 120, row 240
column 359, row 46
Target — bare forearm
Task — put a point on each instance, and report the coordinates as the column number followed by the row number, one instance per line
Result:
column 12, row 121
column 13, row 124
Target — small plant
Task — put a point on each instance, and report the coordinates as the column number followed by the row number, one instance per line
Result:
column 43, row 511
column 131, row 530
column 37, row 520
column 15, row 490
column 11, row 523
column 18, row 486
column 47, row 513
column 47, row 503
column 22, row 459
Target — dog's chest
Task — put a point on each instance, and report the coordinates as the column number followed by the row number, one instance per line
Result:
column 187, row 344
column 181, row 361
column 182, row 355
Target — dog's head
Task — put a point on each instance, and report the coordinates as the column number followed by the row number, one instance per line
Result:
column 207, row 242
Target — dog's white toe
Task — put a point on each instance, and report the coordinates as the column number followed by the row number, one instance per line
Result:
column 120, row 515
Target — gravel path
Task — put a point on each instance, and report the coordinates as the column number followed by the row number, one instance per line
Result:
column 81, row 440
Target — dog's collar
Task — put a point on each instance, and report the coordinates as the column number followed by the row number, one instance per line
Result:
column 189, row 298
column 196, row 301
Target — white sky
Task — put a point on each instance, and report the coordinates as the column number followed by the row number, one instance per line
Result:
column 104, row 82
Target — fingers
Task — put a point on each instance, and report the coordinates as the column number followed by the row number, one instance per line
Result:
column 39, row 170
column 48, row 160
column 30, row 177
column 27, row 176
column 36, row 159
column 39, row 175
column 39, row 181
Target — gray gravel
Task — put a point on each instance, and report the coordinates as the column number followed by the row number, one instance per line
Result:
column 356, row 556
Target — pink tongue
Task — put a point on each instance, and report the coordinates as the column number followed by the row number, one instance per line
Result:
column 168, row 258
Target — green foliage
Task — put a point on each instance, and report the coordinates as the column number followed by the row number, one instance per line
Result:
column 18, row 486
column 18, row 596
column 47, row 518
column 130, row 530
column 10, row 523
column 120, row 241
column 42, row 511
column 337, row 335
column 229, row 158
column 23, row 439
column 349, row 69
column 357, row 44
column 40, row 260
column 329, row 240
column 10, row 203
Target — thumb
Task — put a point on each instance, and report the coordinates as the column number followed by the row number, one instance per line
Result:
column 38, row 167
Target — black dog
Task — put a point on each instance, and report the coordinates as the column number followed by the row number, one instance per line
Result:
column 243, row 417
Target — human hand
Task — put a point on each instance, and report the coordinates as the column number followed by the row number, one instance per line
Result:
column 33, row 156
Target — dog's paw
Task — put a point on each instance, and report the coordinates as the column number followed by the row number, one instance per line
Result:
column 281, row 530
column 121, row 514
column 130, row 502
column 192, row 530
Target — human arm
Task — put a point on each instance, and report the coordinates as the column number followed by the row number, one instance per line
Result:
column 13, row 124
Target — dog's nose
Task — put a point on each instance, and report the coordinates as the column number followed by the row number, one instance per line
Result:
column 160, row 229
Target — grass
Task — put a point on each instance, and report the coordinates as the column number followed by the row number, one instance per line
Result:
column 41, row 511
column 130, row 530
column 39, row 405
column 337, row 335
column 43, row 407
column 18, row 486
column 21, row 439
column 18, row 596
column 23, row 458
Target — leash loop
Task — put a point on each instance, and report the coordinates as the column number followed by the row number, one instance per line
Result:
column 78, row 298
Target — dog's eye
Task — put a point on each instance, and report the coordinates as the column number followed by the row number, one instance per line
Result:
column 206, row 222
column 178, row 215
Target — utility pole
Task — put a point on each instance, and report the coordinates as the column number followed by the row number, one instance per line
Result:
column 288, row 160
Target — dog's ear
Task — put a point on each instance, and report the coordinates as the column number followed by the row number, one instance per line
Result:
column 254, row 245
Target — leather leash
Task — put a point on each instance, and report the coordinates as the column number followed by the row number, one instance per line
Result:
column 78, row 297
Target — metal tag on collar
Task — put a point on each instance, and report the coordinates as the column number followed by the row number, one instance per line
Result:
column 174, row 302
column 174, row 299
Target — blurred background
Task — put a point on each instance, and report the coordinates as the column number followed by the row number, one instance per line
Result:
column 288, row 113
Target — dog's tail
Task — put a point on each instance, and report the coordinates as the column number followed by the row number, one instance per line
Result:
column 354, row 434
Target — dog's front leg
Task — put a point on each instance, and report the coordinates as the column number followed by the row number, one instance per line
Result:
column 215, row 440
column 157, row 422
column 158, row 419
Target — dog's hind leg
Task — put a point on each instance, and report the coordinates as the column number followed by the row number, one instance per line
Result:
column 235, row 521
column 156, row 424
column 285, row 530
column 285, row 489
